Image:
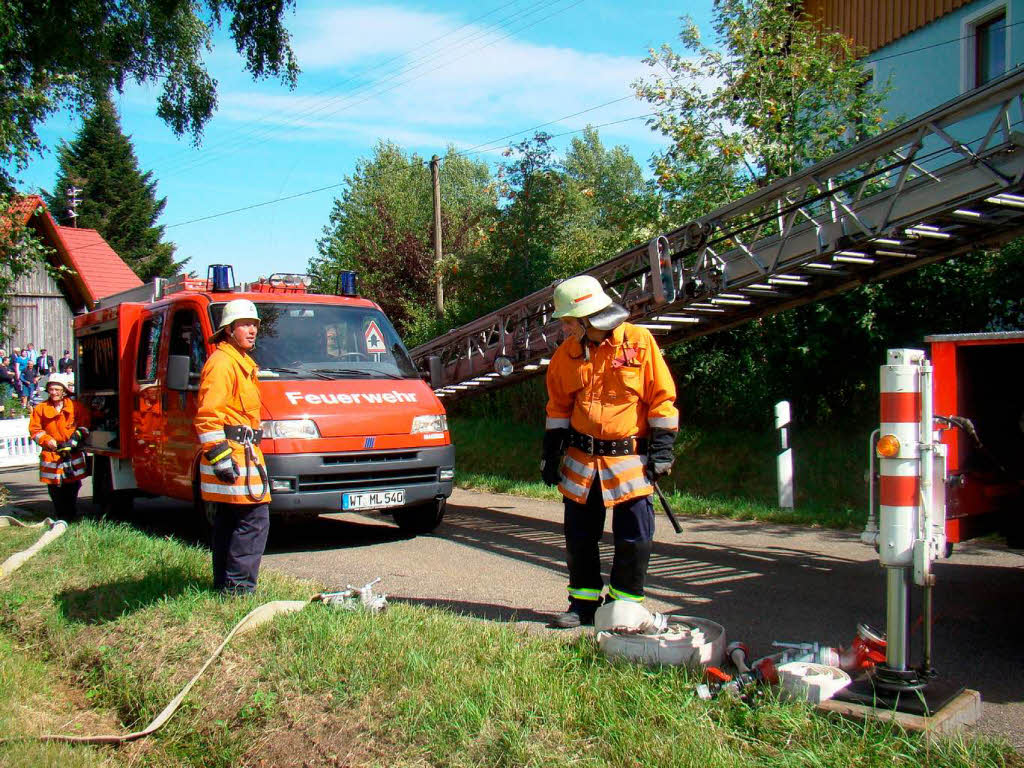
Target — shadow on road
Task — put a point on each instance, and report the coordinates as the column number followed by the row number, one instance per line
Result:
column 769, row 591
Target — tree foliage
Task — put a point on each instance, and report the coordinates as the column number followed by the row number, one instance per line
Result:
column 382, row 227
column 118, row 199
column 774, row 95
column 63, row 54
column 559, row 217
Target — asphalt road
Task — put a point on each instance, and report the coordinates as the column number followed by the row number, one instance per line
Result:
column 501, row 558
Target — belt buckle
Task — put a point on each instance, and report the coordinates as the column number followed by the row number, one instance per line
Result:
column 248, row 435
column 593, row 444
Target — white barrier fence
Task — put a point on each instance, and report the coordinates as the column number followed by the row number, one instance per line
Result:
column 16, row 449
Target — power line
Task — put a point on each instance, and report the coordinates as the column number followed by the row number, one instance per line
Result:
column 933, row 45
column 340, row 184
column 268, row 132
column 310, row 99
column 256, row 205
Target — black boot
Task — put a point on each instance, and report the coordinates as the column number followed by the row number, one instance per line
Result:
column 580, row 613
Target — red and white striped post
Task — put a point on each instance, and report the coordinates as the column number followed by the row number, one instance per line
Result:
column 899, row 488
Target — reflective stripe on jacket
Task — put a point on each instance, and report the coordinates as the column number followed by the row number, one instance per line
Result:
column 47, row 426
column 623, row 390
column 229, row 395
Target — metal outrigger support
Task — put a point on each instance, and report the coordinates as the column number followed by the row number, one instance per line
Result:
column 948, row 181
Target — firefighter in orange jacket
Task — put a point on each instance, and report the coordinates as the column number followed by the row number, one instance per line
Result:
column 611, row 424
column 232, row 472
column 59, row 426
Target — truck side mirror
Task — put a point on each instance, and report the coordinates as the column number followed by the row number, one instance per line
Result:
column 434, row 372
column 177, row 372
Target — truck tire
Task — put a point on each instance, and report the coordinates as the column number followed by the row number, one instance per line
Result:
column 110, row 504
column 421, row 518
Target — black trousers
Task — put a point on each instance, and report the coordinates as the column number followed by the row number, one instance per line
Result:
column 239, row 538
column 633, row 532
column 65, row 500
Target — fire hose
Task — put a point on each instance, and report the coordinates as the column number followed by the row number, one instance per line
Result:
column 348, row 599
column 56, row 528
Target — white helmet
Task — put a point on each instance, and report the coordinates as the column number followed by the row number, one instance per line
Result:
column 628, row 618
column 579, row 296
column 238, row 309
column 66, row 380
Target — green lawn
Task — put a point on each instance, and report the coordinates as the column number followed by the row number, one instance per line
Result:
column 720, row 473
column 102, row 628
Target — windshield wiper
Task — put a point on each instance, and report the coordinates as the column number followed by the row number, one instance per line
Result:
column 342, row 373
column 294, row 371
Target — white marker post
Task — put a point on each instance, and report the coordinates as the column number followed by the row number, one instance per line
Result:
column 784, row 461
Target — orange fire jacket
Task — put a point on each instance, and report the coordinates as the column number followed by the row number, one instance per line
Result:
column 619, row 388
column 229, row 395
column 47, row 426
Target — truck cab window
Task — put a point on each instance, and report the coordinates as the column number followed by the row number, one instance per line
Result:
column 187, row 339
column 149, row 348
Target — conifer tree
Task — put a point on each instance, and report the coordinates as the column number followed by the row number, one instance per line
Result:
column 118, row 199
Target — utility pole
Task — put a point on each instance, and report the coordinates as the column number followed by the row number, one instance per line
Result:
column 435, row 173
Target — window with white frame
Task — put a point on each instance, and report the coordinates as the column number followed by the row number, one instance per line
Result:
column 985, row 45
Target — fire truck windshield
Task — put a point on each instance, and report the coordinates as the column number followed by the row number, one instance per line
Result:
column 317, row 341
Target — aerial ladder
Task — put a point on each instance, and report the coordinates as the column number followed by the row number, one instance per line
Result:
column 946, row 182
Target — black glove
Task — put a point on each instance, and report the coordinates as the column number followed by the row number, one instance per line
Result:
column 659, row 452
column 224, row 467
column 66, row 447
column 78, row 437
column 226, row 470
column 555, row 442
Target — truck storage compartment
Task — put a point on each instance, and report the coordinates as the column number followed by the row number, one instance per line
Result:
column 977, row 378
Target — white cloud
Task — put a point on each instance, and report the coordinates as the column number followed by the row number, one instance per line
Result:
column 465, row 88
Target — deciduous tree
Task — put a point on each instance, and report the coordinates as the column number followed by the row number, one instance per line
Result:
column 64, row 54
column 382, row 227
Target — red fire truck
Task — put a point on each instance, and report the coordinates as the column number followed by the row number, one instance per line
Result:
column 349, row 424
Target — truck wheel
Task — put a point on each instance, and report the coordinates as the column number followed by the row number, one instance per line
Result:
column 421, row 518
column 110, row 504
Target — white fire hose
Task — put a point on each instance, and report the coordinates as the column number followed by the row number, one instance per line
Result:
column 348, row 599
column 55, row 529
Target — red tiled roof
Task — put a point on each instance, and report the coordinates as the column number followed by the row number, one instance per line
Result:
column 24, row 207
column 102, row 271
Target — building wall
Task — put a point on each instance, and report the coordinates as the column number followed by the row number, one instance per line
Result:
column 874, row 23
column 39, row 313
column 931, row 65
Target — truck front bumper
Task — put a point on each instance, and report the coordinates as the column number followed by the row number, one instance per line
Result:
column 316, row 482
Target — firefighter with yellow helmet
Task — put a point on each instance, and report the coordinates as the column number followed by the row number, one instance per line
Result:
column 611, row 425
column 232, row 471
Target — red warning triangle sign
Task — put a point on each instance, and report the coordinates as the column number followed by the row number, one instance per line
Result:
column 374, row 339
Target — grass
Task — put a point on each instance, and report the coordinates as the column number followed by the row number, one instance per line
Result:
column 717, row 473
column 103, row 627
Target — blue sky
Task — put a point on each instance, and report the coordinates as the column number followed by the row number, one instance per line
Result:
column 421, row 74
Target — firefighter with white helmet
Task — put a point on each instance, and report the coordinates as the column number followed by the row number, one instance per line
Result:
column 59, row 425
column 611, row 424
column 232, row 471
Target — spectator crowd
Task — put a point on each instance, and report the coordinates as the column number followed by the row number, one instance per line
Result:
column 25, row 372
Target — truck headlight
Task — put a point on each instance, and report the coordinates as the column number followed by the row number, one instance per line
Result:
column 430, row 424
column 290, row 428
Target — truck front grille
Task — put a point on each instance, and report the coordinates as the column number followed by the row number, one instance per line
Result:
column 366, row 458
column 379, row 478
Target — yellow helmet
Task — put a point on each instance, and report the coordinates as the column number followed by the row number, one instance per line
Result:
column 580, row 296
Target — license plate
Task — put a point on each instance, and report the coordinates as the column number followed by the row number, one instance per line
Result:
column 373, row 499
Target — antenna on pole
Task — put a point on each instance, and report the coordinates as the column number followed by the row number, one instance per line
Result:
column 73, row 203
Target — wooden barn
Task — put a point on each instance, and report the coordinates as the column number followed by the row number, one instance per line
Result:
column 42, row 308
